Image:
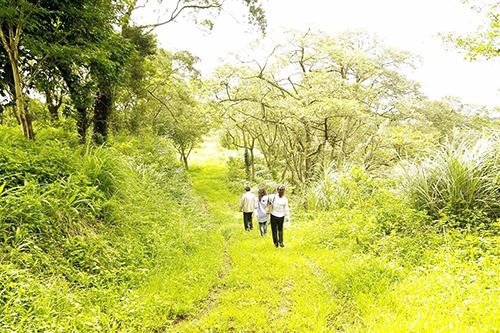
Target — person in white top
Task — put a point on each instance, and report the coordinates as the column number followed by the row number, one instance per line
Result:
column 260, row 211
column 247, row 206
column 278, row 215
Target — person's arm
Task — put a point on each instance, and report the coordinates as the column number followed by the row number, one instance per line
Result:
column 287, row 210
column 241, row 203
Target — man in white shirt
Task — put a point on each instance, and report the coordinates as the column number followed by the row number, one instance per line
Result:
column 247, row 206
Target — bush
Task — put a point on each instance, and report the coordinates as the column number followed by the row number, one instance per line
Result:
column 462, row 176
column 340, row 188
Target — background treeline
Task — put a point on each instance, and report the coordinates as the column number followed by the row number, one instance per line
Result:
column 97, row 68
column 312, row 99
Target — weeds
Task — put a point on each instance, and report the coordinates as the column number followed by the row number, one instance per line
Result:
column 98, row 238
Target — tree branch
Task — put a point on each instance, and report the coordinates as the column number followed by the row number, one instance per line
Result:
column 164, row 104
column 176, row 12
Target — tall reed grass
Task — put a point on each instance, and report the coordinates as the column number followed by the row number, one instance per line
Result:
column 458, row 183
column 337, row 188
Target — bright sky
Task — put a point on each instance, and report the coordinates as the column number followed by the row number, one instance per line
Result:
column 406, row 24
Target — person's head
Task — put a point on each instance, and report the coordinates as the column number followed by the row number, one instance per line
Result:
column 262, row 192
column 281, row 190
column 247, row 188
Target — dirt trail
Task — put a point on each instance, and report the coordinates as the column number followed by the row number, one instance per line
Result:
column 263, row 288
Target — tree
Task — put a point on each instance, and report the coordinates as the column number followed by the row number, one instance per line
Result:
column 316, row 97
column 174, row 10
column 57, row 37
column 88, row 57
column 193, row 9
column 175, row 100
column 485, row 41
column 17, row 19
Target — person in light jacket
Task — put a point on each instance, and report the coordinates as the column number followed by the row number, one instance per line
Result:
column 278, row 215
column 260, row 211
column 247, row 206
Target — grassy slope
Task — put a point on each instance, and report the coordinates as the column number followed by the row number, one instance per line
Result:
column 176, row 258
column 75, row 260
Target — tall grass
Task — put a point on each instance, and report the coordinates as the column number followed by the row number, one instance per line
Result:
column 336, row 188
column 383, row 251
column 458, row 183
column 99, row 238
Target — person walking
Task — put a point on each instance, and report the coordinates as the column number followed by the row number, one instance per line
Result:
column 247, row 206
column 279, row 213
column 260, row 211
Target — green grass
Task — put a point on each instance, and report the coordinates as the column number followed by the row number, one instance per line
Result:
column 100, row 239
column 376, row 266
column 122, row 240
column 262, row 288
column 458, row 183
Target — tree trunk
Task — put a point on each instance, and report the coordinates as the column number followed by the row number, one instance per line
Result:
column 21, row 111
column 185, row 160
column 82, row 123
column 14, row 110
column 78, row 101
column 53, row 106
column 102, row 110
column 252, row 161
column 11, row 45
column 247, row 163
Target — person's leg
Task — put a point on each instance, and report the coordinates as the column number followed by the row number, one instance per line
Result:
column 265, row 228
column 274, row 229
column 261, row 228
column 250, row 223
column 247, row 217
column 279, row 226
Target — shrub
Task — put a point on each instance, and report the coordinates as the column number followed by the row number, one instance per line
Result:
column 462, row 176
column 339, row 188
column 236, row 174
column 87, row 231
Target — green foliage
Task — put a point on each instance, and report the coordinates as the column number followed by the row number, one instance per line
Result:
column 481, row 43
column 235, row 169
column 335, row 189
column 124, row 240
column 458, row 184
column 99, row 238
column 328, row 111
column 238, row 177
column 21, row 161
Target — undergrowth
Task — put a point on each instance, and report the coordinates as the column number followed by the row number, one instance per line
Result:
column 117, row 238
column 99, row 238
column 401, row 269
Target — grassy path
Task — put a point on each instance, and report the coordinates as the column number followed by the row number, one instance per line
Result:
column 343, row 286
column 261, row 288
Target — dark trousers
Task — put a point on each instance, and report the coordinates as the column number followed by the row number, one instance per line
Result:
column 277, row 228
column 247, row 220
